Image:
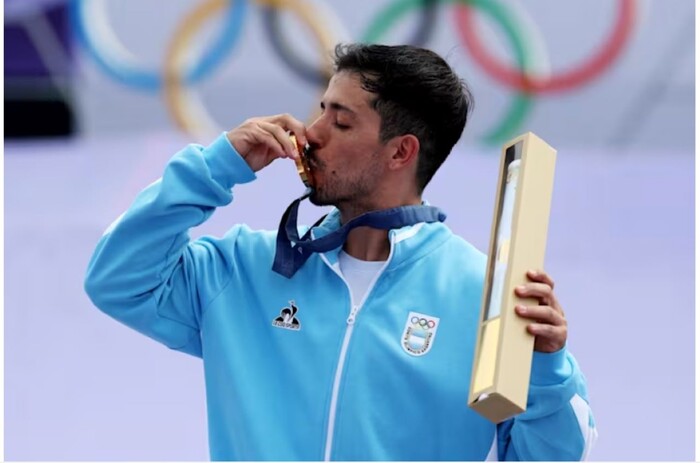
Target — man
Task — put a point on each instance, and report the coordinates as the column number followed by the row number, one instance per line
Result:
column 306, row 354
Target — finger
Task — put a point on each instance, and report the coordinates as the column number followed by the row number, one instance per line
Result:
column 549, row 333
column 282, row 138
column 540, row 291
column 270, row 141
column 540, row 276
column 541, row 313
column 289, row 122
column 298, row 148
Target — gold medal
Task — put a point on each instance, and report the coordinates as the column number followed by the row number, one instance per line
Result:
column 302, row 164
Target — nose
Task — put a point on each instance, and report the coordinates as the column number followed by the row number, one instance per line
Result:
column 315, row 133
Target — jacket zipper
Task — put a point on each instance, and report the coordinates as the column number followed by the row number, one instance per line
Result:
column 350, row 321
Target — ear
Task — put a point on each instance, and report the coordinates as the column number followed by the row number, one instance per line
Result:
column 406, row 148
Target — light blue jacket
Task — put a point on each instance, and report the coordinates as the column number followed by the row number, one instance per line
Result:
column 297, row 370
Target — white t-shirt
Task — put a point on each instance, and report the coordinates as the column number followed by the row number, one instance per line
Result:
column 358, row 273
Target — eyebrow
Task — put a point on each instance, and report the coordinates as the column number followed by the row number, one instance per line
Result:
column 338, row 107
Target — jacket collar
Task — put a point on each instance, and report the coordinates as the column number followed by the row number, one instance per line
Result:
column 408, row 243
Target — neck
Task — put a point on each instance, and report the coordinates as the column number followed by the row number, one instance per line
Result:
column 366, row 243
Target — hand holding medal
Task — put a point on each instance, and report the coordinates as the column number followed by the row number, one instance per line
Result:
column 261, row 140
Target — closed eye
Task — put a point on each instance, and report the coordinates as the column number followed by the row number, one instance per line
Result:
column 336, row 108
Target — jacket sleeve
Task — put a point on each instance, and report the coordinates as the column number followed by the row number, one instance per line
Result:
column 145, row 271
column 558, row 423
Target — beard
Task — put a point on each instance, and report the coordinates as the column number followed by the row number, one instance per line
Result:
column 344, row 190
column 339, row 192
column 351, row 189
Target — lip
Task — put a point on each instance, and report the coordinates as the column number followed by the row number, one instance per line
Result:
column 309, row 159
column 312, row 170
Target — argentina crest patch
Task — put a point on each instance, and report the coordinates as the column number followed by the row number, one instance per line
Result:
column 419, row 333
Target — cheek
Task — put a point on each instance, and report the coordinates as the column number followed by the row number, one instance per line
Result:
column 349, row 159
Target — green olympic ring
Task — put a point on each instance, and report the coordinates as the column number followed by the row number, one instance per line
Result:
column 522, row 102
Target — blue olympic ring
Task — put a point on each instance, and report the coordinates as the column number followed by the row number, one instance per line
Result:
column 152, row 80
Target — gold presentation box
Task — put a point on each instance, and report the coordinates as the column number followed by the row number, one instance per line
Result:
column 503, row 355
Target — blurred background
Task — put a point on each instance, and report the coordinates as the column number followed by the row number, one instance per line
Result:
column 99, row 94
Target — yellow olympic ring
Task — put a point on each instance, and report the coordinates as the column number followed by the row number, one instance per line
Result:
column 188, row 111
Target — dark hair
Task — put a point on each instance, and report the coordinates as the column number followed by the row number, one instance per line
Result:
column 417, row 92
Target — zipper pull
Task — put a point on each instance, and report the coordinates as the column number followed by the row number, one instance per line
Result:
column 353, row 314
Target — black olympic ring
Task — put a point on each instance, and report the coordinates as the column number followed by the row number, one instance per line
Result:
column 315, row 74
column 423, row 323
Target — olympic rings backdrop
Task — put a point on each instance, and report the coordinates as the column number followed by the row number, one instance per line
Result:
column 531, row 66
column 177, row 77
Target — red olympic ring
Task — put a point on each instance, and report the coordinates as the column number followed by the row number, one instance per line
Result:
column 518, row 80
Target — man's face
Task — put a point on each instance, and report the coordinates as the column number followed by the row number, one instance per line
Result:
column 346, row 159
